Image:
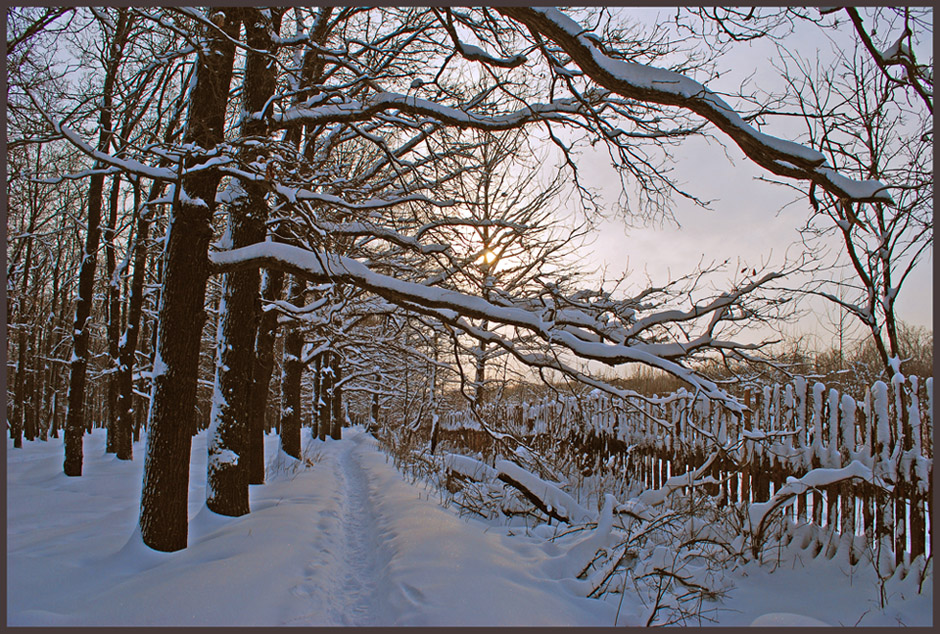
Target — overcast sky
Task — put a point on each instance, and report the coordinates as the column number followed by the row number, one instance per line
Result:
column 746, row 220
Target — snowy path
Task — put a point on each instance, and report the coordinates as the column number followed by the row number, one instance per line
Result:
column 359, row 551
column 340, row 540
column 343, row 540
column 363, row 548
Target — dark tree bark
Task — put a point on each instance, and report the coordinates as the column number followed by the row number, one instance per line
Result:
column 75, row 418
column 375, row 403
column 336, row 400
column 128, row 344
column 315, row 417
column 271, row 286
column 324, row 402
column 17, row 407
column 30, row 421
column 291, row 377
column 229, row 430
column 164, row 504
column 114, row 310
column 48, row 371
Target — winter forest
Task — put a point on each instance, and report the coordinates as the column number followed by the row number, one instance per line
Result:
column 305, row 325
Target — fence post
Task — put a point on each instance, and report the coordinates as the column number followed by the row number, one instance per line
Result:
column 747, row 449
column 881, row 451
column 868, row 452
column 817, row 449
column 918, row 520
column 901, row 463
column 847, row 443
column 801, row 444
column 833, row 458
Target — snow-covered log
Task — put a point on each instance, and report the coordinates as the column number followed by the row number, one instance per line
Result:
column 545, row 495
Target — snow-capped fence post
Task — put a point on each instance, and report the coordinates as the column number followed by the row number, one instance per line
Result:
column 867, row 428
column 639, row 440
column 833, row 458
column 901, row 442
column 761, row 464
column 779, row 446
column 800, row 442
column 927, row 444
column 917, row 468
column 846, row 454
column 816, row 447
column 747, row 448
column 649, row 457
column 881, row 452
column 681, row 443
column 785, row 418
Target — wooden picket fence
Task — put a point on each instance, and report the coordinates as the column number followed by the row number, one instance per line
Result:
column 786, row 431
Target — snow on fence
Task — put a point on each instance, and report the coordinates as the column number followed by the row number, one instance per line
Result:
column 786, row 431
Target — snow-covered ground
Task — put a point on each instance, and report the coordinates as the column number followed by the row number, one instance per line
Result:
column 343, row 539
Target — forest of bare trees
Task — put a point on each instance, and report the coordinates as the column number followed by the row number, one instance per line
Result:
column 243, row 219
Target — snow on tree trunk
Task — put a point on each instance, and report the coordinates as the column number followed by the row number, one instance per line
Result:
column 127, row 347
column 16, row 407
column 228, row 481
column 164, row 504
column 272, row 283
column 291, row 375
column 324, row 400
column 114, row 312
column 78, row 367
column 336, row 399
column 315, row 416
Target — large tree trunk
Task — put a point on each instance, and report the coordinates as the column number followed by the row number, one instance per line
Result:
column 229, row 428
column 324, row 403
column 272, row 283
column 75, row 417
column 114, row 310
column 336, row 400
column 128, row 343
column 30, row 422
column 291, row 377
column 24, row 319
column 315, row 416
column 164, row 504
column 49, row 373
column 435, row 423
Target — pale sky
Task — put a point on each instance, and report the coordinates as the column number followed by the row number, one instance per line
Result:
column 745, row 221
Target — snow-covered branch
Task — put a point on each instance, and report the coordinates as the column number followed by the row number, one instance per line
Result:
column 452, row 305
column 656, row 85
